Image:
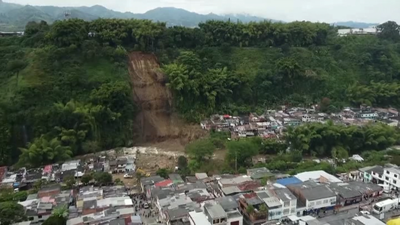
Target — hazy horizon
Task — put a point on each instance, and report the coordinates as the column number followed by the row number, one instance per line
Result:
column 372, row 11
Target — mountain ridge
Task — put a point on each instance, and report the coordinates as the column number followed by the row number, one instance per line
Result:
column 14, row 17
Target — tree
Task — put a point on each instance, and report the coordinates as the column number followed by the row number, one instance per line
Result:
column 163, row 172
column 44, row 151
column 55, row 220
column 118, row 182
column 15, row 67
column 11, row 212
column 250, row 209
column 200, row 150
column 324, row 105
column 86, row 178
column 59, row 216
column 240, row 152
column 263, row 208
column 69, row 181
column 102, row 178
column 389, row 30
column 182, row 162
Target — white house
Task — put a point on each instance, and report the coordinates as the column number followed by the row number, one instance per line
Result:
column 288, row 201
column 314, row 196
column 391, row 177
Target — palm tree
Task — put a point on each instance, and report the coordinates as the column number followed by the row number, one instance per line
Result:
column 43, row 151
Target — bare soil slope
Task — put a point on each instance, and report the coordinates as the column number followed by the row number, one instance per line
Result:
column 156, row 121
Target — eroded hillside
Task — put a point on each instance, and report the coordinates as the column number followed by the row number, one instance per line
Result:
column 155, row 122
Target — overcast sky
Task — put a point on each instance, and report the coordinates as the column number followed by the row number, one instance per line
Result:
column 286, row 10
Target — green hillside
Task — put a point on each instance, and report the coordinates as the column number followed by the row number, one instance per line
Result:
column 65, row 92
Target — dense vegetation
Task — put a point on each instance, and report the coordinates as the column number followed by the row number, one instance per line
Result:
column 294, row 152
column 65, row 88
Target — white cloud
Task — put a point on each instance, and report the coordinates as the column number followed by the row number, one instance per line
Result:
column 288, row 10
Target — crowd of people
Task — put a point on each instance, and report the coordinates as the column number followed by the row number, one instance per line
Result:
column 142, row 206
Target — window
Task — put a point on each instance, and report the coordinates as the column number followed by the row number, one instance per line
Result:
column 394, row 182
column 293, row 210
column 286, row 204
column 387, row 172
column 311, row 204
column 395, row 175
column 286, row 211
column 326, row 201
column 386, row 178
column 319, row 203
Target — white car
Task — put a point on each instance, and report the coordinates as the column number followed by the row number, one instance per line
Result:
column 365, row 212
column 128, row 176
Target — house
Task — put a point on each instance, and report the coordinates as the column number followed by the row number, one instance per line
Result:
column 93, row 205
column 36, row 210
column 288, row 201
column 104, row 217
column 226, row 182
column 176, row 179
column 372, row 174
column 347, row 194
column 231, row 190
column 231, row 207
column 71, row 165
column 215, row 214
column 319, row 176
column 87, row 193
column 314, row 196
column 391, row 177
column 368, row 115
column 364, row 220
column 47, row 172
column 147, row 182
column 368, row 190
column 200, row 176
column 291, row 122
column 49, row 190
column 164, row 183
column 198, row 218
column 253, row 209
column 275, row 207
column 177, row 216
column 10, row 34
column 259, row 173
column 288, row 181
column 358, row 31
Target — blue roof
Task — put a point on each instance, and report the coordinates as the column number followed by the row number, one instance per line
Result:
column 288, row 181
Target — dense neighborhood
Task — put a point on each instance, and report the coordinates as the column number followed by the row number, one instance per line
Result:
column 367, row 195
column 272, row 123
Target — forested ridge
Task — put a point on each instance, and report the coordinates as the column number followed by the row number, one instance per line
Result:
column 65, row 87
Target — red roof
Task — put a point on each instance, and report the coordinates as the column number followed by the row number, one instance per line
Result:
column 250, row 195
column 164, row 183
column 227, row 116
column 3, row 171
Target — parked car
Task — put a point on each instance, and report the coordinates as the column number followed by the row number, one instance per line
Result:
column 365, row 212
column 128, row 176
